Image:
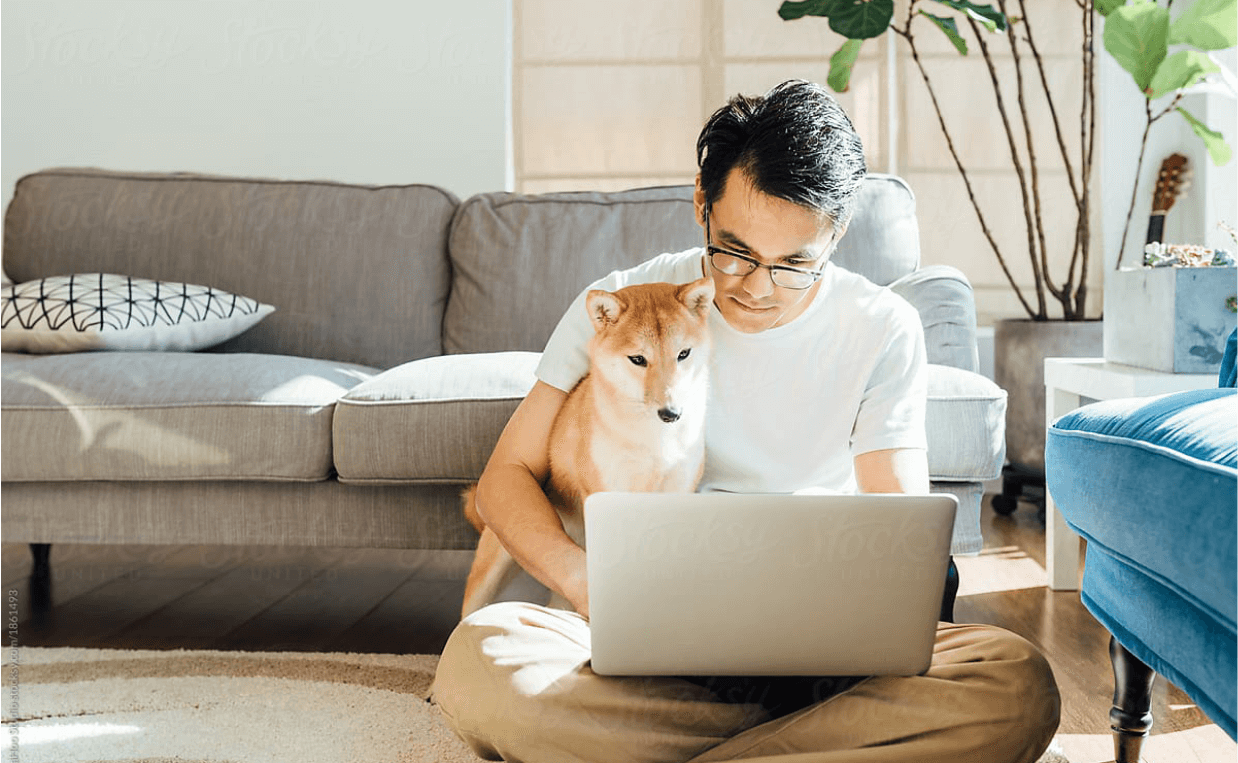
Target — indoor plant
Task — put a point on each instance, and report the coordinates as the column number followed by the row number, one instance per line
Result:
column 1021, row 345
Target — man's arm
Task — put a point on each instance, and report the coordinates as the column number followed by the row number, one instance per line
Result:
column 511, row 501
column 898, row 470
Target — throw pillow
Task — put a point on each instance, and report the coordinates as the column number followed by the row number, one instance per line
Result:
column 101, row 311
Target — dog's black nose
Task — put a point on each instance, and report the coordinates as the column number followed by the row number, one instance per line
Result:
column 669, row 415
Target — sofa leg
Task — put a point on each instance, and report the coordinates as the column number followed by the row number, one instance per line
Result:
column 951, row 592
column 1131, row 716
column 42, row 560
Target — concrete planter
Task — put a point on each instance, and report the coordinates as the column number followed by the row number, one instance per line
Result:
column 1019, row 351
column 1174, row 320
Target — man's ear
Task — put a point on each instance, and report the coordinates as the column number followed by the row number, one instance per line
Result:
column 698, row 202
column 604, row 308
column 698, row 295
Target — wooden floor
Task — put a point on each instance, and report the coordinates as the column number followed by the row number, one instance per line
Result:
column 278, row 599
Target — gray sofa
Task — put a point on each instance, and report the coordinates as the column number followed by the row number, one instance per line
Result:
column 406, row 331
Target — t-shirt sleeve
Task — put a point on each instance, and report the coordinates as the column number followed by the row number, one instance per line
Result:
column 565, row 361
column 892, row 409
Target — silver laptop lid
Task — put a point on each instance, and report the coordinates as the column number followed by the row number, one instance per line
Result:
column 729, row 584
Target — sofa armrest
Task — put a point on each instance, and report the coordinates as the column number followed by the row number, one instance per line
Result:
column 943, row 297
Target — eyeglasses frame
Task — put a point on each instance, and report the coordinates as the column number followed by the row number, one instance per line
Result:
column 710, row 249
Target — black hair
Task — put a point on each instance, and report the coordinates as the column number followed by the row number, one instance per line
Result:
column 794, row 143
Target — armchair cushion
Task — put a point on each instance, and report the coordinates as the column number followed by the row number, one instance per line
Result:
column 1150, row 484
column 965, row 423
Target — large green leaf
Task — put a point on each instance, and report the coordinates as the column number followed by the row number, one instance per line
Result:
column 1105, row 7
column 841, row 64
column 791, row 10
column 950, row 29
column 1207, row 25
column 862, row 19
column 986, row 14
column 1137, row 38
column 1218, row 149
column 1182, row 69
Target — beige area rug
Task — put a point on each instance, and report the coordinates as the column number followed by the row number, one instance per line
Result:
column 76, row 705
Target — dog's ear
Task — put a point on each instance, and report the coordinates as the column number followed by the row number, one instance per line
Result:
column 698, row 295
column 604, row 308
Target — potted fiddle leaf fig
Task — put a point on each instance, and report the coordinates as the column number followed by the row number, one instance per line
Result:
column 991, row 26
column 1138, row 34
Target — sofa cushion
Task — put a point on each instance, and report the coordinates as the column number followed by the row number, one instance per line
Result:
column 1152, row 481
column 965, row 421
column 358, row 273
column 170, row 416
column 505, row 247
column 519, row 261
column 102, row 311
column 432, row 420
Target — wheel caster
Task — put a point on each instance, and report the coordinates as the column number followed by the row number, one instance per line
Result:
column 1004, row 505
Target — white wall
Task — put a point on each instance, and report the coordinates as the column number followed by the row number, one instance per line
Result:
column 365, row 91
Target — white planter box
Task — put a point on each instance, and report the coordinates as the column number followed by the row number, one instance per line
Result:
column 1169, row 319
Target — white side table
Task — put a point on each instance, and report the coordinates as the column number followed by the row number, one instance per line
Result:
column 1067, row 382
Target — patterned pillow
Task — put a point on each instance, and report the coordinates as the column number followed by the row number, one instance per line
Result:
column 99, row 311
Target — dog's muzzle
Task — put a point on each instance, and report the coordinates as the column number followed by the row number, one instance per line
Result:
column 669, row 415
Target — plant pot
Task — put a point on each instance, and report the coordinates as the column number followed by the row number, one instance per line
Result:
column 1020, row 347
column 1174, row 320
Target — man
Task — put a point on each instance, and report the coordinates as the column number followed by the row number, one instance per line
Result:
column 818, row 381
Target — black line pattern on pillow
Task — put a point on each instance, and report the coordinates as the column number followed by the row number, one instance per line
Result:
column 104, row 302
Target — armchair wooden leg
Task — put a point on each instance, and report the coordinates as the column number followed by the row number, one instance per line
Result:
column 1131, row 716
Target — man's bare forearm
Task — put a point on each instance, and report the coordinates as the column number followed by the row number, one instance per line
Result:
column 512, row 503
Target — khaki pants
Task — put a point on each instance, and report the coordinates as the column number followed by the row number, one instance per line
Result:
column 514, row 682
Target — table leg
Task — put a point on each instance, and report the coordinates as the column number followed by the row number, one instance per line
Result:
column 1061, row 543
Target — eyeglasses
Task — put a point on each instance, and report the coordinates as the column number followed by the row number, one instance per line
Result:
column 735, row 264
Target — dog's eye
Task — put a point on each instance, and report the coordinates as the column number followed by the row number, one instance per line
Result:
column 638, row 360
column 684, row 355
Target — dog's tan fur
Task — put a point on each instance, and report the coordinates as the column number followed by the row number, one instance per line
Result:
column 611, row 433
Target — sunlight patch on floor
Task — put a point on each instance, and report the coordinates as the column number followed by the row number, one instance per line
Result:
column 993, row 570
column 1203, row 744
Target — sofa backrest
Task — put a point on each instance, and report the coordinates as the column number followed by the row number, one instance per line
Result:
column 356, row 273
column 519, row 260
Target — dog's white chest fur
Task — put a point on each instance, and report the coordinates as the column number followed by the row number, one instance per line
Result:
column 651, row 457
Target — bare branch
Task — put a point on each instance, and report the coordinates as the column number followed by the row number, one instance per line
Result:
column 1135, row 186
column 1018, row 166
column 1038, row 221
column 915, row 55
column 1057, row 126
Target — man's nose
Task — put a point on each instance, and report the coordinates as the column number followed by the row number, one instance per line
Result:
column 760, row 282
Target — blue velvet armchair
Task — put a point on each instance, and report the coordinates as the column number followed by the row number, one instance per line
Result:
column 1150, row 484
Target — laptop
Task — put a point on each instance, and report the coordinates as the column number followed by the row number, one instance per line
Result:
column 725, row 584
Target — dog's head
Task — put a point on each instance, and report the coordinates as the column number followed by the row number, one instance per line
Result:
column 652, row 344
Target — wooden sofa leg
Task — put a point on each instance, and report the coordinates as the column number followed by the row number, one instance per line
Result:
column 42, row 560
column 1131, row 716
column 951, row 592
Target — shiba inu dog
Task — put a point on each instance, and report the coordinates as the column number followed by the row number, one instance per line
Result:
column 635, row 422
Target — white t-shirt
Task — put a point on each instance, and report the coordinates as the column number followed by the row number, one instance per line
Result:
column 791, row 406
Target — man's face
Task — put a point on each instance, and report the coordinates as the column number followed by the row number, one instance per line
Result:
column 772, row 231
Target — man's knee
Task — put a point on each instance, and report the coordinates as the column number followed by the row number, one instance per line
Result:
column 492, row 661
column 1032, row 703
